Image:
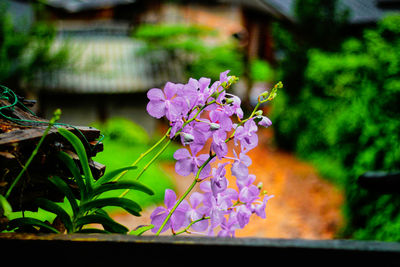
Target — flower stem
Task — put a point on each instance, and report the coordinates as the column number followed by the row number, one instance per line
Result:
column 190, row 225
column 190, row 188
column 145, row 154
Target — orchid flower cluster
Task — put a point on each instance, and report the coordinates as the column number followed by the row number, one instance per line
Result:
column 200, row 114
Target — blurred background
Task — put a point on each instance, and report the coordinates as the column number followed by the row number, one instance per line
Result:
column 336, row 117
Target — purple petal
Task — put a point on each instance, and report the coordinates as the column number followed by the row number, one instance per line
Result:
column 182, row 153
column 156, row 109
column 204, row 83
column 239, row 170
column 169, row 198
column 217, row 217
column 195, row 199
column 260, row 209
column 205, row 186
column 155, row 94
column 157, row 218
column 223, row 76
column 245, row 159
column 243, row 216
column 266, row 122
column 170, row 90
column 184, row 167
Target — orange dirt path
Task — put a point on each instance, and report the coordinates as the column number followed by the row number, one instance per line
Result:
column 304, row 205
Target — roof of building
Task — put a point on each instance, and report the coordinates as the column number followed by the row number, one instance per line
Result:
column 361, row 11
column 107, row 61
column 81, row 5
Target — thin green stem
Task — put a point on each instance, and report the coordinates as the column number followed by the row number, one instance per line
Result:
column 56, row 116
column 145, row 154
column 148, row 164
column 190, row 225
column 154, row 158
column 190, row 188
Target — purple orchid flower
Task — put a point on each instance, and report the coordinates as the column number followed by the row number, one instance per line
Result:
column 188, row 163
column 259, row 208
column 166, row 103
column 240, row 166
column 178, row 218
column 197, row 212
column 264, row 121
column 247, row 136
column 228, row 227
column 218, row 182
column 218, row 144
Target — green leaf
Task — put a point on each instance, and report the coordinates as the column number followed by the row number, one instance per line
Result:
column 109, row 224
column 75, row 172
column 141, row 229
column 80, row 150
column 56, row 209
column 129, row 205
column 110, row 175
column 5, row 207
column 66, row 190
column 21, row 222
column 122, row 185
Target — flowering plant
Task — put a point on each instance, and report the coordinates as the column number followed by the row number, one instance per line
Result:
column 200, row 115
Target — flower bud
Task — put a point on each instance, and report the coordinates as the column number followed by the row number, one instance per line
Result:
column 232, row 79
column 229, row 100
column 266, row 122
column 260, row 185
column 259, row 113
column 214, row 126
column 187, row 138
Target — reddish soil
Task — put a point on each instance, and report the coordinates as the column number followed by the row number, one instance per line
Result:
column 304, row 205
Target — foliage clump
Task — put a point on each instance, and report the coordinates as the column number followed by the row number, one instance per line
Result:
column 345, row 119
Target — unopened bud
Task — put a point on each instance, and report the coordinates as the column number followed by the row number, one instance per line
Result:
column 266, row 122
column 260, row 185
column 229, row 100
column 187, row 138
column 214, row 126
column 259, row 113
column 232, row 79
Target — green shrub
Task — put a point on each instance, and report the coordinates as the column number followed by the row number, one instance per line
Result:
column 188, row 46
column 26, row 50
column 346, row 121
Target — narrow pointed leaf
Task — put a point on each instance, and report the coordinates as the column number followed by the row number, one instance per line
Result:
column 69, row 162
column 129, row 205
column 66, row 190
column 141, row 229
column 5, row 207
column 110, row 175
column 25, row 221
column 80, row 150
column 122, row 185
column 56, row 209
column 109, row 224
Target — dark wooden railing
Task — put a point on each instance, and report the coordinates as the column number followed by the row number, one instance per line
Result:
column 113, row 250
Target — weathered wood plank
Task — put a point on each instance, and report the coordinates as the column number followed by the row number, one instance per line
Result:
column 17, row 142
column 202, row 251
